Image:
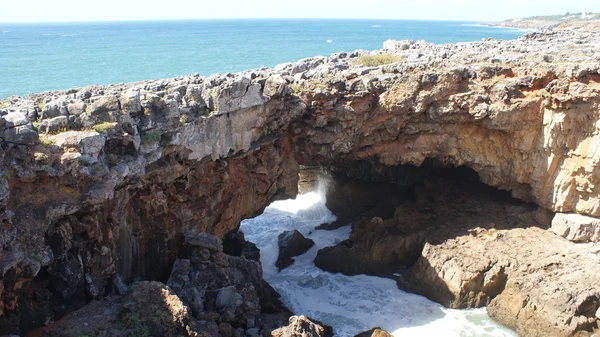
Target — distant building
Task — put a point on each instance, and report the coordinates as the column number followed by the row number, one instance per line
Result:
column 584, row 13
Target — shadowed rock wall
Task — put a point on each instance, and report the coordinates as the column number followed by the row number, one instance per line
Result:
column 101, row 181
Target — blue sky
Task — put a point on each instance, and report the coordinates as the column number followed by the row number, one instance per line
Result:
column 108, row 10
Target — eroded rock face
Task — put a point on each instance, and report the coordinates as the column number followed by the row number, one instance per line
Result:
column 301, row 326
column 208, row 294
column 464, row 246
column 291, row 244
column 375, row 332
column 141, row 164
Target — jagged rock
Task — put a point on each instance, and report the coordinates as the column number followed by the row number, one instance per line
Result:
column 576, row 227
column 23, row 135
column 204, row 240
column 495, row 106
column 291, row 244
column 86, row 142
column 236, row 245
column 301, row 326
column 150, row 309
column 228, row 299
column 474, row 249
column 54, row 124
column 375, row 332
column 12, row 120
column 239, row 94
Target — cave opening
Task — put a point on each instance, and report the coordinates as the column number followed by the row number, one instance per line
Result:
column 369, row 225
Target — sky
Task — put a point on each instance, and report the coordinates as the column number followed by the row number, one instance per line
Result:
column 116, row 10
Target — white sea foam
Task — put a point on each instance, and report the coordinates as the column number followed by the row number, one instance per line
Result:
column 350, row 303
column 376, row 26
column 329, row 41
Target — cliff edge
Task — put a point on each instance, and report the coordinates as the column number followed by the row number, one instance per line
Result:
column 102, row 183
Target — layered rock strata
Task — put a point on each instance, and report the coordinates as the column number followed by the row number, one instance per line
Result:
column 101, row 183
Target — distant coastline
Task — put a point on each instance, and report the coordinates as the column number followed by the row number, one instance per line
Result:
column 588, row 21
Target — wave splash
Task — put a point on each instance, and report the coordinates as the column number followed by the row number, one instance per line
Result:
column 350, row 304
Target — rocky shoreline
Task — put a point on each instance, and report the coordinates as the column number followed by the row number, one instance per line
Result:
column 101, row 187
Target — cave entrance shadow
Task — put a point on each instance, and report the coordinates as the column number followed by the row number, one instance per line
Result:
column 392, row 308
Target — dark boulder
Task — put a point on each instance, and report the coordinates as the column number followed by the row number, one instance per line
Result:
column 291, row 243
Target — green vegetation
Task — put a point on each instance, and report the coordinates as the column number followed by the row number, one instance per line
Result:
column 103, row 127
column 44, row 140
column 138, row 329
column 151, row 137
column 376, row 60
column 7, row 174
column 184, row 119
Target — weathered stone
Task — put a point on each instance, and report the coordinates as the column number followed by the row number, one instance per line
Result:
column 204, row 240
column 24, row 135
column 15, row 119
column 76, row 108
column 275, row 85
column 576, row 227
column 240, row 94
column 291, row 243
column 301, row 326
column 375, row 332
column 60, row 123
column 494, row 106
column 228, row 299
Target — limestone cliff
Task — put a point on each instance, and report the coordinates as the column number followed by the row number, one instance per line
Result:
column 101, row 182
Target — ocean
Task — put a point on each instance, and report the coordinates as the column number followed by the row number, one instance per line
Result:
column 350, row 304
column 57, row 56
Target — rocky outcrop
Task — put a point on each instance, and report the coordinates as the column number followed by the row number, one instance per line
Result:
column 301, row 326
column 465, row 245
column 576, row 227
column 375, row 332
column 209, row 293
column 291, row 244
column 101, row 183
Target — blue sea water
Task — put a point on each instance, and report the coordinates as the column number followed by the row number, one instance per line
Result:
column 41, row 57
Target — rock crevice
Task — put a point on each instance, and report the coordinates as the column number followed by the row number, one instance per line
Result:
column 102, row 182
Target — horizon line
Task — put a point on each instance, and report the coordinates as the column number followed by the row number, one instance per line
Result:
column 233, row 18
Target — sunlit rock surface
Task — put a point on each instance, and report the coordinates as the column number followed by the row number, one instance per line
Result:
column 103, row 181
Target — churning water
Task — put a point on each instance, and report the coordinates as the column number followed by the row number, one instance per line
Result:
column 350, row 304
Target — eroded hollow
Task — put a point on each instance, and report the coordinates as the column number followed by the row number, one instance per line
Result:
column 395, row 211
column 384, row 217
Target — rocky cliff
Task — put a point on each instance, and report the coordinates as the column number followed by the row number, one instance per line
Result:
column 101, row 184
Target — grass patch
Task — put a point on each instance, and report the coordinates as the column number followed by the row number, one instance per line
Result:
column 44, row 140
column 138, row 329
column 376, row 60
column 184, row 119
column 103, row 127
column 7, row 174
column 151, row 137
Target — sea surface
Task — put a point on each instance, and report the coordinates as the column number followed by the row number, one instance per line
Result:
column 57, row 56
column 350, row 304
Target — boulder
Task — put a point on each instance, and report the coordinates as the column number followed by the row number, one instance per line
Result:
column 375, row 332
column 15, row 119
column 239, row 94
column 204, row 240
column 576, row 227
column 24, row 135
column 86, row 142
column 291, row 244
column 301, row 326
column 60, row 123
column 375, row 247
